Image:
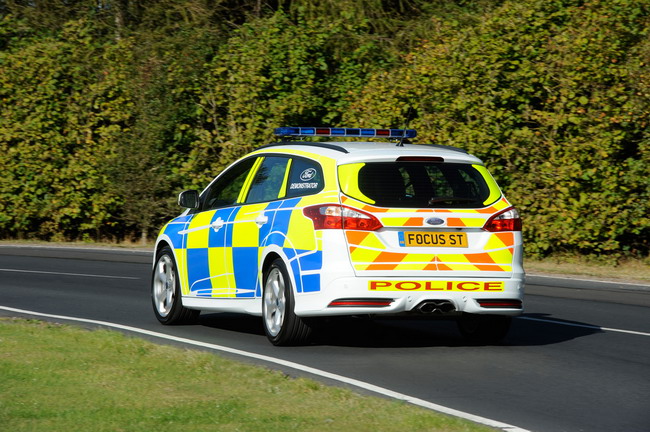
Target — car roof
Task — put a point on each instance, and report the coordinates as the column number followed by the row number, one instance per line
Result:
column 355, row 151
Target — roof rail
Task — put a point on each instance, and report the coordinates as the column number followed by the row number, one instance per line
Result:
column 307, row 143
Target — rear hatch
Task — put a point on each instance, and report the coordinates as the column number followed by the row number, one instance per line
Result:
column 437, row 219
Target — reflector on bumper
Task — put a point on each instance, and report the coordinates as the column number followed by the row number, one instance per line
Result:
column 500, row 304
column 359, row 302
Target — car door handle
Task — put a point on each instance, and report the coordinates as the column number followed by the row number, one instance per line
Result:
column 261, row 220
column 217, row 225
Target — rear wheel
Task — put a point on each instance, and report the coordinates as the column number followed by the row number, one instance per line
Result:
column 281, row 325
column 483, row 329
column 166, row 291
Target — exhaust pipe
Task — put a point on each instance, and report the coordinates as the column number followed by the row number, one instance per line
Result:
column 436, row 307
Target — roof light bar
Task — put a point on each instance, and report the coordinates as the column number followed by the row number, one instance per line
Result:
column 344, row 132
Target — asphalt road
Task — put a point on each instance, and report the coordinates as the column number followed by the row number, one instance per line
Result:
column 578, row 359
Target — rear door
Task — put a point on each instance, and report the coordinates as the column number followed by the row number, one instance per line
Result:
column 432, row 214
column 206, row 240
column 251, row 223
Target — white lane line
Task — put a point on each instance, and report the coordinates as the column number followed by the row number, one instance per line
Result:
column 593, row 327
column 292, row 365
column 640, row 285
column 66, row 274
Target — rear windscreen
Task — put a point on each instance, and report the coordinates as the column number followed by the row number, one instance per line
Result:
column 419, row 184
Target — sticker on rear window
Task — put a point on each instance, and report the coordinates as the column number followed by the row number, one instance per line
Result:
column 308, row 174
column 303, row 186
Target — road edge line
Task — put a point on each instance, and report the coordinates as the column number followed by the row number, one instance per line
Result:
column 589, row 326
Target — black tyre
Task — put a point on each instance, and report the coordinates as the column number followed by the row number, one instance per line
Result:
column 166, row 291
column 483, row 329
column 281, row 325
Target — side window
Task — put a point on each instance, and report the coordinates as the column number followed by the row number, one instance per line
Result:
column 225, row 191
column 268, row 181
column 306, row 177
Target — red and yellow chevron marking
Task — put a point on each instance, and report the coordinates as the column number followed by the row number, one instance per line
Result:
column 368, row 253
column 465, row 222
column 402, row 221
column 367, row 259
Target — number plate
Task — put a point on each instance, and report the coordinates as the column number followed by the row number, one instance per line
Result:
column 433, row 239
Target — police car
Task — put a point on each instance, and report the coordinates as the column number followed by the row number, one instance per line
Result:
column 298, row 230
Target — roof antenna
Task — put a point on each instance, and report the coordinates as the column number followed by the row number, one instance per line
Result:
column 406, row 125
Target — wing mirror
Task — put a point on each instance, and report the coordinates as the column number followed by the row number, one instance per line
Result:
column 189, row 199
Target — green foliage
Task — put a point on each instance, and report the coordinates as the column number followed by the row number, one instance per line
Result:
column 108, row 109
column 51, row 133
column 273, row 71
column 554, row 96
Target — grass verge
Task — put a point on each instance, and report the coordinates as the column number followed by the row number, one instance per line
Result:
column 62, row 378
column 636, row 271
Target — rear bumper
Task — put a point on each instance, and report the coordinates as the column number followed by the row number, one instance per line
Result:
column 422, row 296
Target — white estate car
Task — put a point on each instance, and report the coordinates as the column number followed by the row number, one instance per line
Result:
column 297, row 230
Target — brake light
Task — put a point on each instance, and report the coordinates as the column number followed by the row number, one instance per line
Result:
column 333, row 216
column 507, row 220
column 420, row 159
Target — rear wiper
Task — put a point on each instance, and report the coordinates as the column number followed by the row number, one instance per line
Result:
column 435, row 200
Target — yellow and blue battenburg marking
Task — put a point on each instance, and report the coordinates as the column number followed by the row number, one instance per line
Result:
column 219, row 251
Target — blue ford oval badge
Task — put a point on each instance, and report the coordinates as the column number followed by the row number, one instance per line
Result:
column 435, row 221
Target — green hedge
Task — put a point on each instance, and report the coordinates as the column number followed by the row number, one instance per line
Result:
column 108, row 109
column 555, row 97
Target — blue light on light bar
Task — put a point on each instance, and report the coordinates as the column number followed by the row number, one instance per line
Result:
column 344, row 132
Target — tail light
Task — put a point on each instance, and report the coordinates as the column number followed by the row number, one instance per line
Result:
column 332, row 216
column 507, row 220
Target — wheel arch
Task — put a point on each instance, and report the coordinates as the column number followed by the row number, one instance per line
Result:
column 162, row 242
column 161, row 289
column 292, row 329
column 268, row 260
column 269, row 257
